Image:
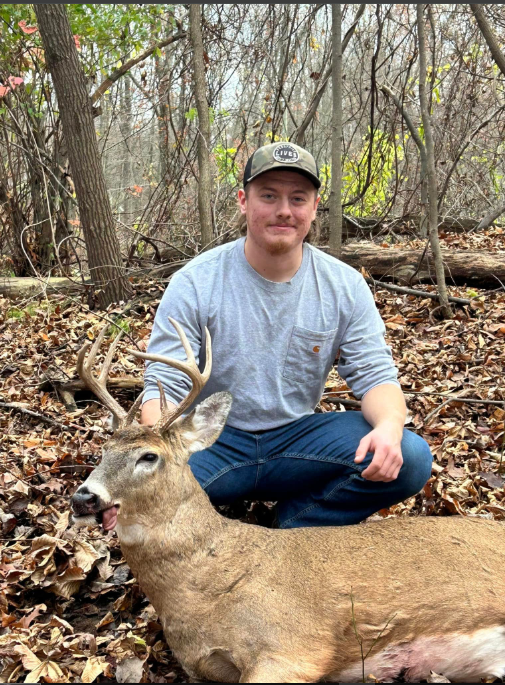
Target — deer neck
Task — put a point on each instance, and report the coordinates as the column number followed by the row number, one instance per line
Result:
column 182, row 522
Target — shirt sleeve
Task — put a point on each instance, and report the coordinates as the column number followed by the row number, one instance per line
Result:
column 365, row 360
column 180, row 302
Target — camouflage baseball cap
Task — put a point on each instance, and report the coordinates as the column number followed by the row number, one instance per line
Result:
column 282, row 156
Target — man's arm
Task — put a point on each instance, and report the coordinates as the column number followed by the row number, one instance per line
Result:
column 384, row 408
column 151, row 411
column 385, row 404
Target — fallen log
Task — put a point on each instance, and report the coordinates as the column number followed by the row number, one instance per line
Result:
column 408, row 223
column 14, row 288
column 461, row 267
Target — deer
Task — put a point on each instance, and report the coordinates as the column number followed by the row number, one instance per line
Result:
column 396, row 598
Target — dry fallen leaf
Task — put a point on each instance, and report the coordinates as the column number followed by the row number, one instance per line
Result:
column 95, row 666
column 130, row 670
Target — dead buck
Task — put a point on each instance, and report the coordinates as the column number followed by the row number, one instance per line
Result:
column 242, row 603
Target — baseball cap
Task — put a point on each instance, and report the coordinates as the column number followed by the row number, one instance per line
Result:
column 286, row 156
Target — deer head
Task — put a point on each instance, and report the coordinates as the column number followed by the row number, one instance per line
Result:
column 144, row 472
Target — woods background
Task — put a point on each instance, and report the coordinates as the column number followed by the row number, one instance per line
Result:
column 181, row 98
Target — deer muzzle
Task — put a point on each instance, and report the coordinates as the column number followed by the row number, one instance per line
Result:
column 90, row 508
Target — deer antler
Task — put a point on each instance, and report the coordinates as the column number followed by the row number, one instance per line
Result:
column 189, row 367
column 99, row 385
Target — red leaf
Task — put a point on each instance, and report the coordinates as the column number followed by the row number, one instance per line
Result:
column 15, row 81
column 77, row 42
column 27, row 29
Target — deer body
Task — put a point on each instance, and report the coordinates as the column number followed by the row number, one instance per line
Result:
column 242, row 603
column 239, row 601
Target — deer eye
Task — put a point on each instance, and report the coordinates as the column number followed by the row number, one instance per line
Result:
column 148, row 456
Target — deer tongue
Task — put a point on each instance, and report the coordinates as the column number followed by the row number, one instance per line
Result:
column 109, row 518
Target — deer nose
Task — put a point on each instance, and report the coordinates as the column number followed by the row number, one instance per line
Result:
column 85, row 502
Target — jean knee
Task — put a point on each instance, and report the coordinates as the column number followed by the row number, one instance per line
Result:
column 417, row 463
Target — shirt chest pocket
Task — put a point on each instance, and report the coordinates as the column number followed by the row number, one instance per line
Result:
column 308, row 354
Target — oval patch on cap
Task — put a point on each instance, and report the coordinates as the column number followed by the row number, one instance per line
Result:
column 286, row 153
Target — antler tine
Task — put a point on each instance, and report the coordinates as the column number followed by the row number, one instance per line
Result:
column 163, row 399
column 98, row 385
column 189, row 367
column 104, row 373
column 129, row 418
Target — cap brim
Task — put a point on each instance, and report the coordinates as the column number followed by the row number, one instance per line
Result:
column 287, row 167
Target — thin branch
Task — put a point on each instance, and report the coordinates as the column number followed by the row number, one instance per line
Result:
column 112, row 78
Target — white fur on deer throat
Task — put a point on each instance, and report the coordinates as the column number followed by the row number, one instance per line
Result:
column 456, row 656
column 82, row 521
column 131, row 533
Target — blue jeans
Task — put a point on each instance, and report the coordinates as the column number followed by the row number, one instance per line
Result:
column 308, row 468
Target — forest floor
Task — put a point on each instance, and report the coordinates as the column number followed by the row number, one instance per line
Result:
column 71, row 610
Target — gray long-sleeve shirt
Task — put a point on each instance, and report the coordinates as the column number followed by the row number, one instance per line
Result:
column 273, row 344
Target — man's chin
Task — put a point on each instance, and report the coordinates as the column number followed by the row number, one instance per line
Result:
column 279, row 247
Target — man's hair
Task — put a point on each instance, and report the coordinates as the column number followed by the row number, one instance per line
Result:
column 241, row 225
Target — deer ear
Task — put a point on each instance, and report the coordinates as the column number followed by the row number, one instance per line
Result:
column 203, row 426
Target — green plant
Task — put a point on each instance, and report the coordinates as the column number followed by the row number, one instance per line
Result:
column 14, row 313
column 112, row 330
column 227, row 167
column 382, row 175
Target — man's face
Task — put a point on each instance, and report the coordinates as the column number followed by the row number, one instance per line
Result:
column 279, row 208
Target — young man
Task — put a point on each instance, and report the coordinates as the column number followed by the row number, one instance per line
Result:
column 278, row 311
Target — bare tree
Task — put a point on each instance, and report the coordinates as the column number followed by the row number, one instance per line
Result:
column 422, row 155
column 312, row 109
column 336, row 133
column 205, row 174
column 432, row 173
column 489, row 36
column 499, row 58
column 102, row 243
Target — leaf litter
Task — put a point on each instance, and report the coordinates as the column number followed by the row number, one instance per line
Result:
column 70, row 609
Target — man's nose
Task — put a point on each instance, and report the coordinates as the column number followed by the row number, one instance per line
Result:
column 283, row 207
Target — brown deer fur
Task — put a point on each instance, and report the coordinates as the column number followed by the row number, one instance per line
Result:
column 242, row 603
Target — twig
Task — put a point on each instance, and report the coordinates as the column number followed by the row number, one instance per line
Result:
column 470, row 400
column 34, row 414
column 41, row 417
column 412, row 291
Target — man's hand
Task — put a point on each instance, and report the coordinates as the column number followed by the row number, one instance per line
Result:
column 385, row 442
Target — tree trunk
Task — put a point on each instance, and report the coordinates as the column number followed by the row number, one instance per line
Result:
column 205, row 174
column 432, row 174
column 316, row 99
column 102, row 244
column 489, row 36
column 487, row 220
column 336, row 133
column 422, row 155
column 126, row 130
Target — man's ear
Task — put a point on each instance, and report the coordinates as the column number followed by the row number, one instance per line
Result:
column 203, row 426
column 242, row 201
